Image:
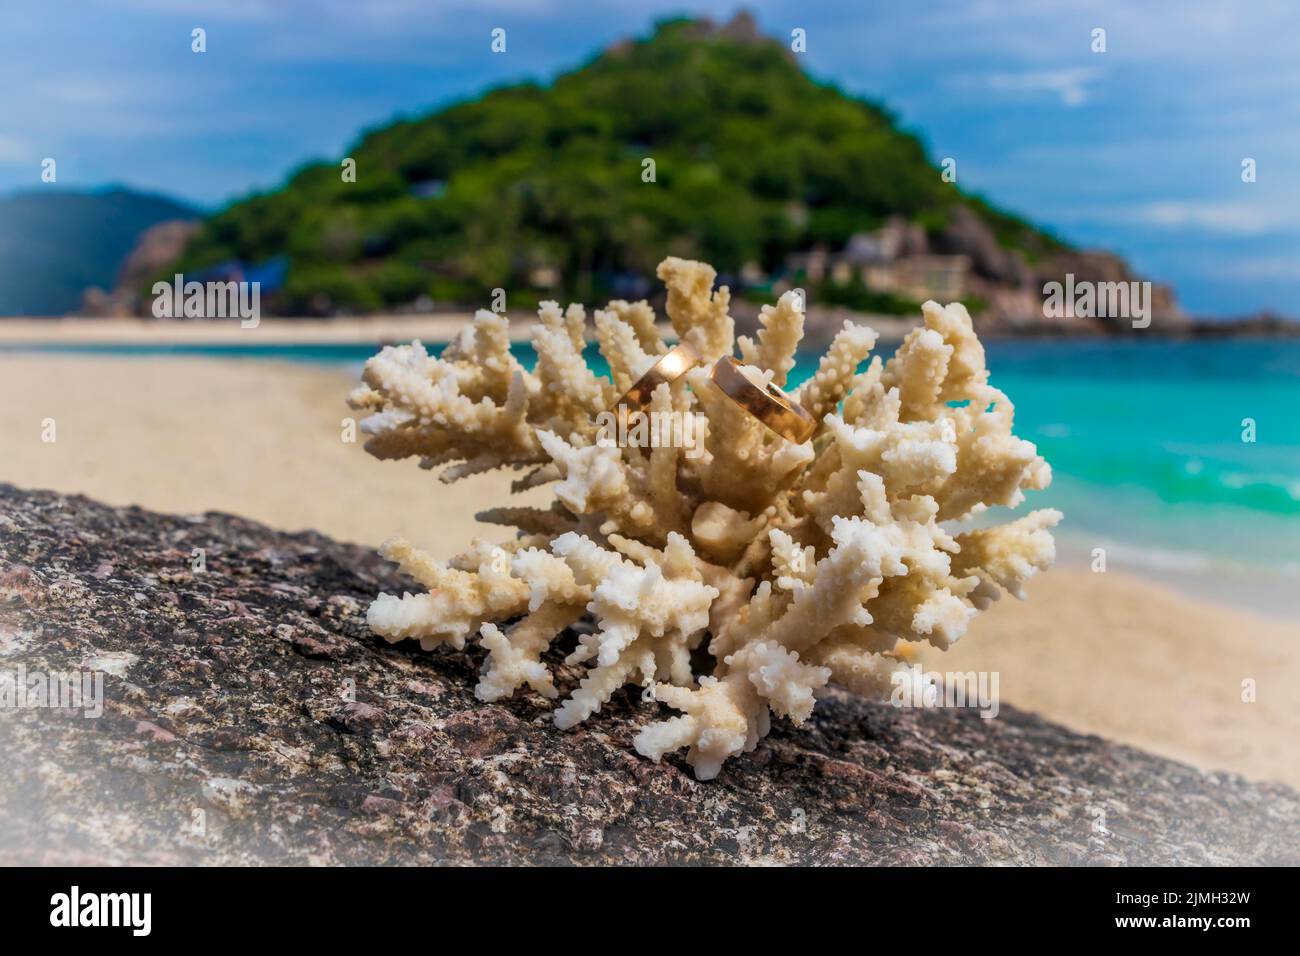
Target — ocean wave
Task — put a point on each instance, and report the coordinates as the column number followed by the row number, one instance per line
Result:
column 1178, row 480
column 1157, row 559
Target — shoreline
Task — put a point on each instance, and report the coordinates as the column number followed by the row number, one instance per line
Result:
column 1244, row 593
column 73, row 331
column 78, row 331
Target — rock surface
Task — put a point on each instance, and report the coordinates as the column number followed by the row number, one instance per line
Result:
column 249, row 717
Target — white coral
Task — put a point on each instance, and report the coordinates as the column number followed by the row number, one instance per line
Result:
column 792, row 565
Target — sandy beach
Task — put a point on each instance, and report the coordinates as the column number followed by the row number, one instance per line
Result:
column 361, row 330
column 371, row 328
column 1105, row 653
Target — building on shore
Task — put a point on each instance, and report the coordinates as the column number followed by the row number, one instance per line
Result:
column 893, row 259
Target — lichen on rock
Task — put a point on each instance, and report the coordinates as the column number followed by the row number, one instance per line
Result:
column 795, row 566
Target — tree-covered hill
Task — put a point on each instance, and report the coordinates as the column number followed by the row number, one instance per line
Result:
column 541, row 189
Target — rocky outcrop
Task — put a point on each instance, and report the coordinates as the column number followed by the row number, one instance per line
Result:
column 1011, row 287
column 968, row 235
column 249, row 717
column 157, row 247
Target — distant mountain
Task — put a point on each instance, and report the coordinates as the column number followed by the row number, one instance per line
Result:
column 757, row 168
column 56, row 243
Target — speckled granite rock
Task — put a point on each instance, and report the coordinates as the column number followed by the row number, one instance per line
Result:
column 231, row 734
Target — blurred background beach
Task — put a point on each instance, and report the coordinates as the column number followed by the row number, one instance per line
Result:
column 1176, row 449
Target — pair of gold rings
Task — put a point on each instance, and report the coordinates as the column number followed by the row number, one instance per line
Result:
column 765, row 401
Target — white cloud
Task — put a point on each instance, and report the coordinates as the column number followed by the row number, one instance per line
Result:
column 235, row 10
column 84, row 92
column 1235, row 217
column 1252, row 268
column 14, row 150
column 1070, row 85
column 1258, row 216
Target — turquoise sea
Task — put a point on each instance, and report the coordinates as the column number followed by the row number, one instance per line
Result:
column 1145, row 439
column 1146, row 442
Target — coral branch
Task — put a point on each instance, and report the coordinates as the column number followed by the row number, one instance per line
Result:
column 792, row 565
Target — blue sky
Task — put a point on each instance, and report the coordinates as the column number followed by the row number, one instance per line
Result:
column 1138, row 149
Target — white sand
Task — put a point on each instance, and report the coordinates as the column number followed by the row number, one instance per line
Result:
column 261, row 439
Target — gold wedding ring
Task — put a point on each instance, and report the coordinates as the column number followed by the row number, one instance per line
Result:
column 769, row 404
column 672, row 365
